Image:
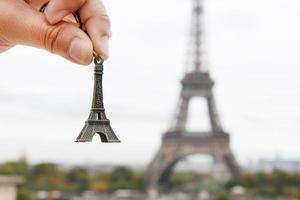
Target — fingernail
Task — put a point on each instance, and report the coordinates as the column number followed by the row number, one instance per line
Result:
column 104, row 47
column 57, row 16
column 81, row 51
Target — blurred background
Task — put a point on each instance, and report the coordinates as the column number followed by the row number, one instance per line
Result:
column 251, row 51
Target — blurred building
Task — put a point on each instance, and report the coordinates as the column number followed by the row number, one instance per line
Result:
column 279, row 164
column 8, row 187
column 269, row 165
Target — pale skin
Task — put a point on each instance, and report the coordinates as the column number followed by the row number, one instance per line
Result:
column 22, row 23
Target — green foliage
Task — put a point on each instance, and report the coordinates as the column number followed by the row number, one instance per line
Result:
column 25, row 194
column 43, row 169
column 16, row 167
column 221, row 196
column 124, row 178
column 195, row 181
column 79, row 178
column 46, row 176
column 183, row 178
column 273, row 183
column 267, row 190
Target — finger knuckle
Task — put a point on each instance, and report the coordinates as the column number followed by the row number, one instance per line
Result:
column 50, row 37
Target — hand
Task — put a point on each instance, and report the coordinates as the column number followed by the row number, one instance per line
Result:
column 22, row 23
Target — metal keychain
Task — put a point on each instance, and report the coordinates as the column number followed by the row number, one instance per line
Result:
column 97, row 122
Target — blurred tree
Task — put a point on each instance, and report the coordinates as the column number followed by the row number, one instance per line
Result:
column 46, row 176
column 99, row 186
column 221, row 196
column 250, row 180
column 19, row 167
column 25, row 194
column 121, row 178
column 267, row 190
column 79, row 178
column 191, row 180
column 185, row 177
column 44, row 169
column 124, row 178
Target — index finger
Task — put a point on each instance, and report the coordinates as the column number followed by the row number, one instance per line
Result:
column 97, row 24
column 93, row 16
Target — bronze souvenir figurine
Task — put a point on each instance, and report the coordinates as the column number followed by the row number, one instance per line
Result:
column 97, row 121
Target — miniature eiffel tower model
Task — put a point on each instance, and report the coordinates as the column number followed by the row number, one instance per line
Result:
column 97, row 122
column 178, row 142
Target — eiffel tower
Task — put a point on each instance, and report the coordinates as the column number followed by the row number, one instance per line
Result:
column 178, row 142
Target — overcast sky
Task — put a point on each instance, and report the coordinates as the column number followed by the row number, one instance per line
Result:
column 251, row 48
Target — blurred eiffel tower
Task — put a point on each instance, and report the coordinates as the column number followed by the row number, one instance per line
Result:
column 178, row 142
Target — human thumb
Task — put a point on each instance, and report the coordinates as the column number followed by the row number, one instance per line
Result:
column 64, row 39
column 68, row 41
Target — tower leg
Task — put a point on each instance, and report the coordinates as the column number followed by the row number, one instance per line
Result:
column 182, row 115
column 213, row 116
column 232, row 165
column 161, row 167
column 220, row 170
column 226, row 165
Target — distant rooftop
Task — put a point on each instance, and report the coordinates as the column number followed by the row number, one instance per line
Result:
column 4, row 179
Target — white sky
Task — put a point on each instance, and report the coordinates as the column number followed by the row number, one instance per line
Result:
column 252, row 51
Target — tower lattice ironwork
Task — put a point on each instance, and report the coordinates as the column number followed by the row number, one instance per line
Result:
column 178, row 142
